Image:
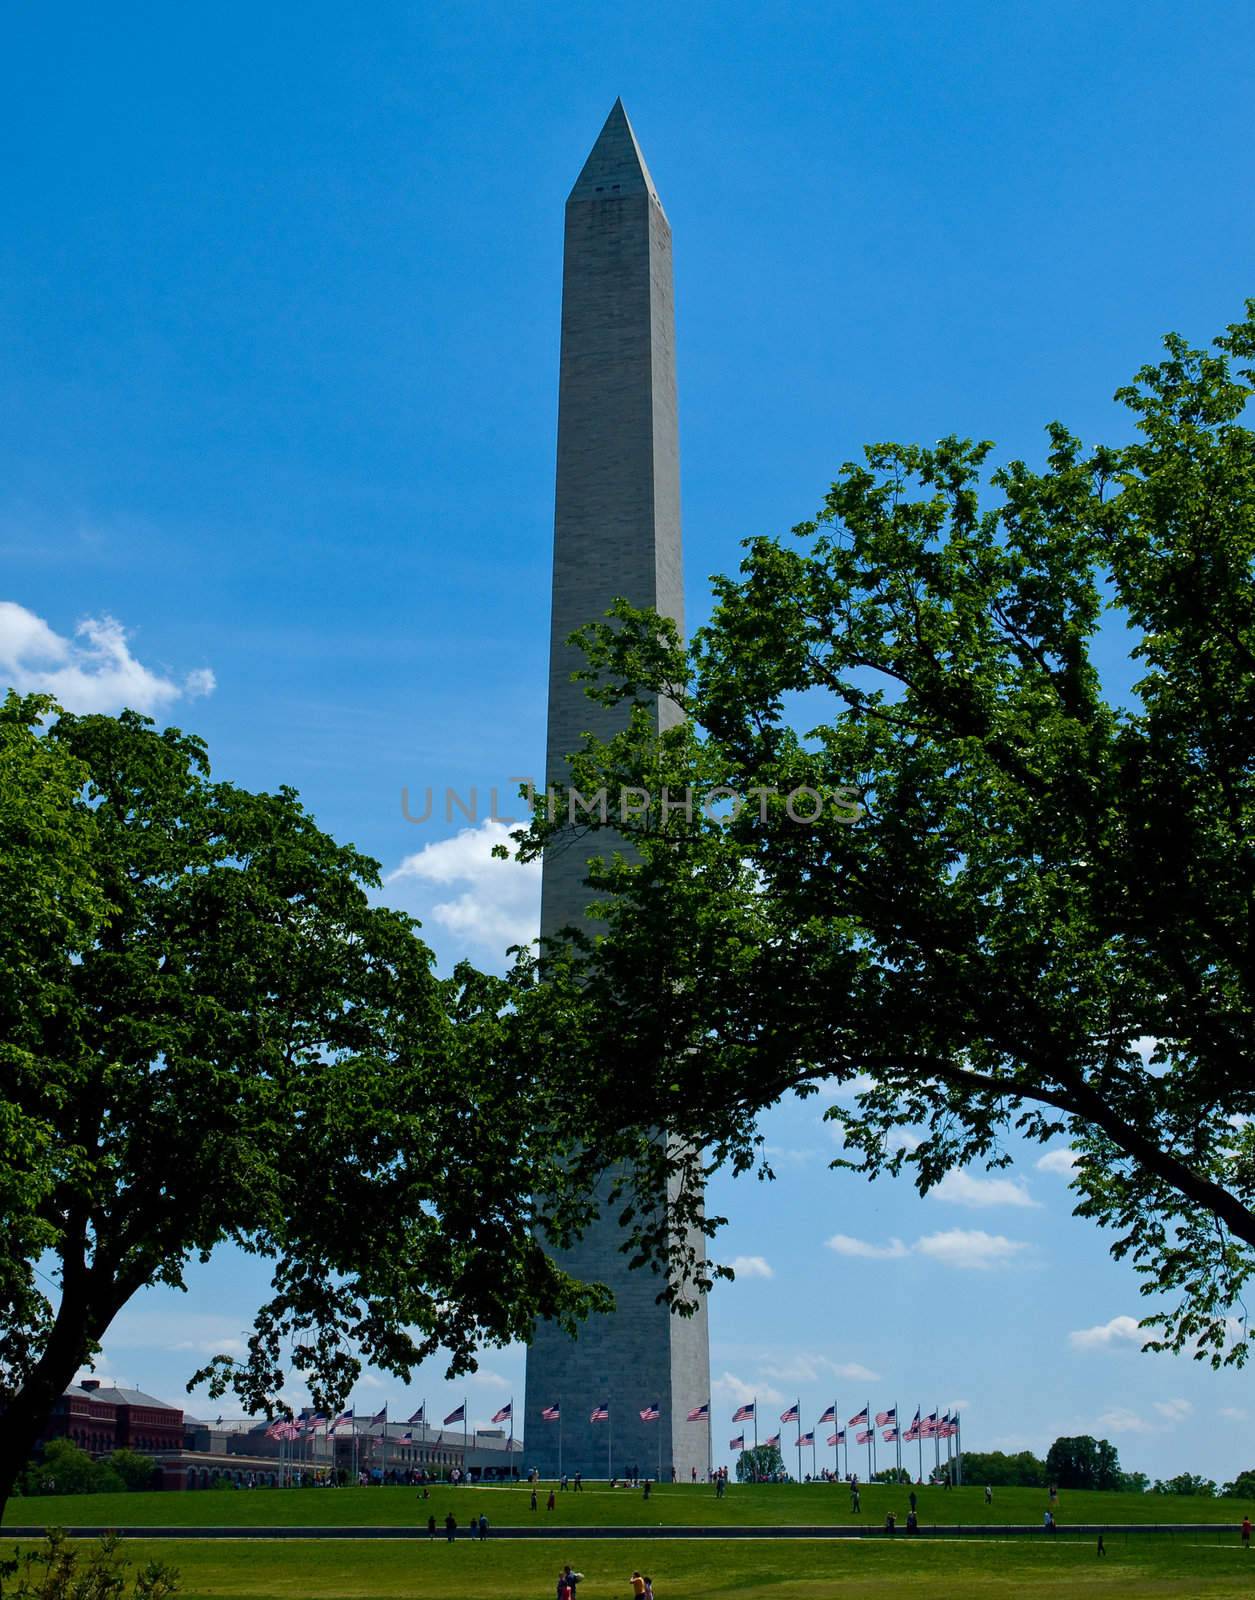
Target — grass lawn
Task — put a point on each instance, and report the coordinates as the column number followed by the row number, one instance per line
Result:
column 681, row 1504
column 1148, row 1567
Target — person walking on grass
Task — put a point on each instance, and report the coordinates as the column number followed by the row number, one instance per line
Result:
column 533, row 1497
column 450, row 1527
column 638, row 1586
column 989, row 1495
column 1246, row 1532
column 483, row 1527
column 431, row 1526
column 551, row 1502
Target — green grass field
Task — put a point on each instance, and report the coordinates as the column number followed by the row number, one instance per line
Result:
column 680, row 1505
column 1148, row 1567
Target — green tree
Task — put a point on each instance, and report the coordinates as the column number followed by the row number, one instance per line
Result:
column 135, row 1469
column 759, row 1463
column 1133, row 1482
column 998, row 1469
column 1009, row 894
column 61, row 1467
column 1083, row 1462
column 209, row 1034
column 1185, row 1483
column 1242, row 1487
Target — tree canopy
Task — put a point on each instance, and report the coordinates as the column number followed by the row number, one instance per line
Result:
column 209, row 1034
column 960, row 816
column 1084, row 1462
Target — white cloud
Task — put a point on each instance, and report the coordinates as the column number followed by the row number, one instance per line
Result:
column 500, row 903
column 806, row 1367
column 782, row 1155
column 489, row 1380
column 969, row 1248
column 845, row 1245
column 1120, row 1330
column 730, row 1387
column 902, row 1139
column 962, row 1189
column 1061, row 1160
column 1174, row 1410
column 1120, row 1420
column 1234, row 1413
column 93, row 671
column 752, row 1267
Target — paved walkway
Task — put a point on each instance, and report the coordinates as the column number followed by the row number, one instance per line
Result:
column 990, row 1530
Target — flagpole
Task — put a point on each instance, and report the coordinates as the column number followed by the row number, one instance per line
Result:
column 836, row 1445
column 559, row 1436
column 936, row 1440
column 609, row 1438
column 871, row 1439
column 919, row 1439
column 958, row 1444
column 897, row 1428
column 755, row 1423
column 509, row 1449
column 659, row 1479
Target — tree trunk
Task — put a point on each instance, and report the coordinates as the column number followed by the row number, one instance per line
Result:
column 27, row 1414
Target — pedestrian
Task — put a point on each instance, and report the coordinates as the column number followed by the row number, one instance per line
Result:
column 912, row 1521
column 1054, row 1493
column 1102, row 1548
column 450, row 1527
column 1246, row 1532
column 572, row 1579
column 989, row 1495
column 483, row 1527
column 579, row 1483
column 638, row 1586
column 1048, row 1522
column 564, row 1589
column 891, row 1522
column 694, row 1472
column 649, row 1587
column 648, row 1486
column 912, row 1498
column 431, row 1526
column 551, row 1502
column 533, row 1497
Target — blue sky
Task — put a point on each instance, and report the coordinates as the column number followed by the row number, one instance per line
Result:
column 279, row 310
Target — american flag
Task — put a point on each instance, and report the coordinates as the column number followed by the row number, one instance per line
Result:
column 601, row 1413
column 882, row 1417
column 738, row 1443
column 859, row 1420
column 551, row 1414
column 407, row 1438
column 890, row 1435
column 792, row 1414
column 314, row 1421
column 456, row 1416
column 744, row 1413
column 864, row 1438
column 807, row 1438
column 505, row 1414
column 651, row 1413
column 775, row 1439
column 829, row 1416
column 344, row 1419
column 380, row 1416
column 699, row 1413
column 837, row 1438
column 420, row 1415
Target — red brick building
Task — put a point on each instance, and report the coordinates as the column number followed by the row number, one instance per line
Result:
column 103, row 1419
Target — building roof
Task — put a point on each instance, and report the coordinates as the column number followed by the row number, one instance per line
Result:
column 112, row 1396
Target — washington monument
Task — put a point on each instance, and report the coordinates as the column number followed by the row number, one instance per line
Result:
column 616, row 532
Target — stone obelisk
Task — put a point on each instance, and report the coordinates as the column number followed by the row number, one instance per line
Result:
column 616, row 532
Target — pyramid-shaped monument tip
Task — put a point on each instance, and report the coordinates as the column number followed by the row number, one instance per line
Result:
column 615, row 165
